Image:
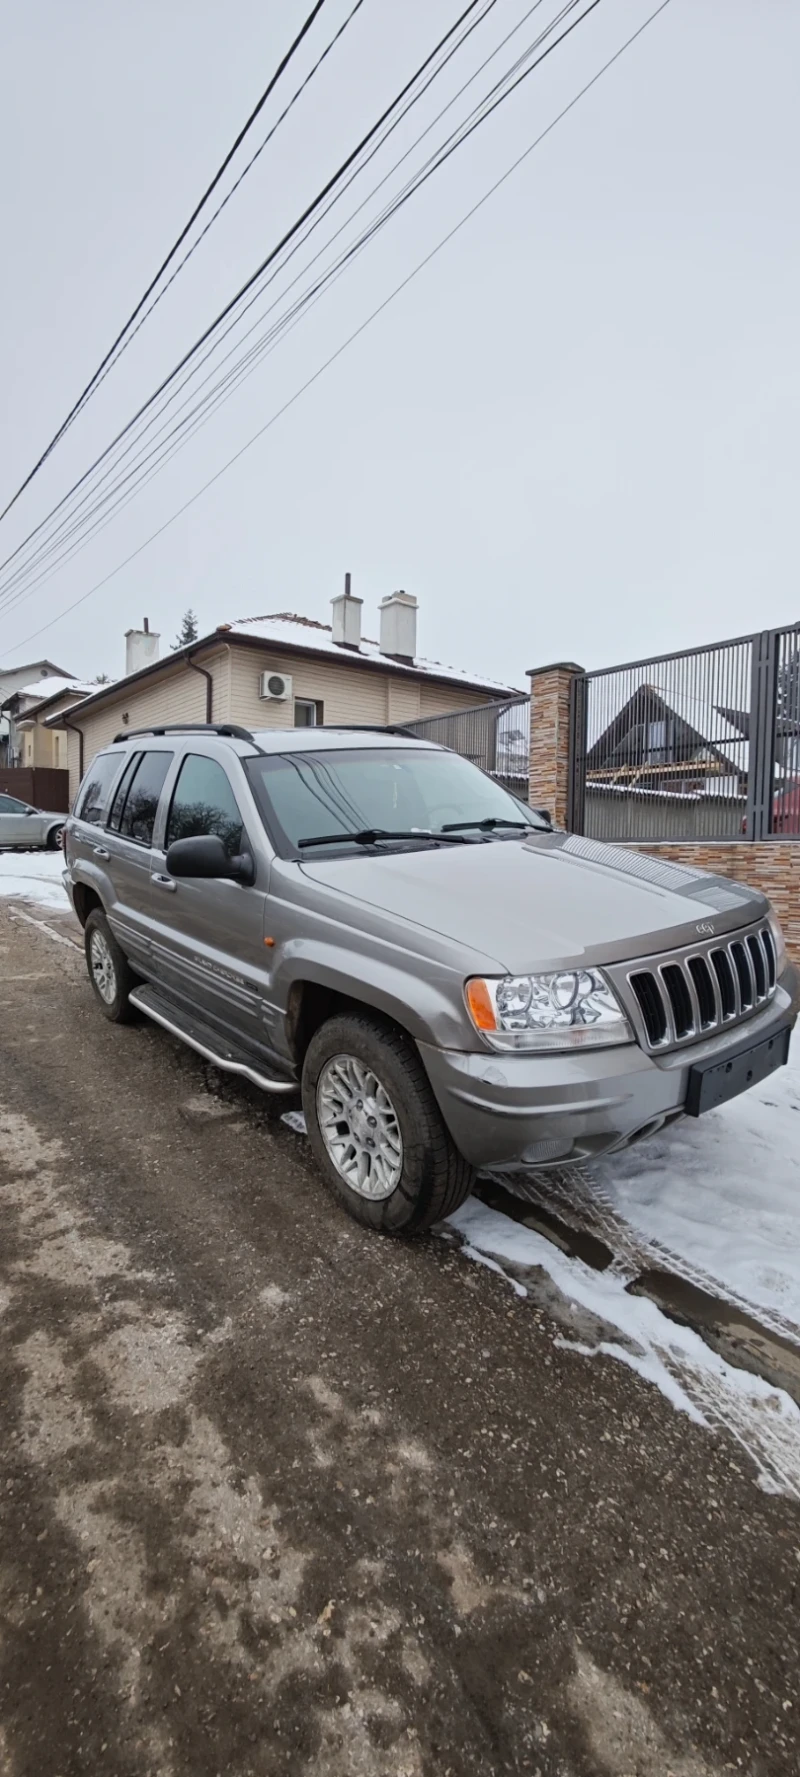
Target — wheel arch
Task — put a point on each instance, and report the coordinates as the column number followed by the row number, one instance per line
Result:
column 84, row 900
column 312, row 1003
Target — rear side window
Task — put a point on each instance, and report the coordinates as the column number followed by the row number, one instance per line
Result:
column 204, row 802
column 115, row 812
column 137, row 816
column 93, row 794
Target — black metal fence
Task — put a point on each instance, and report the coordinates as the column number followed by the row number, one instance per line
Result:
column 699, row 745
column 495, row 736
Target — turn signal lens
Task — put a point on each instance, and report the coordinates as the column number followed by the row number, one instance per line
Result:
column 482, row 1011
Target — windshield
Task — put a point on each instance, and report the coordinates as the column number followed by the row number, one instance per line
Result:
column 343, row 797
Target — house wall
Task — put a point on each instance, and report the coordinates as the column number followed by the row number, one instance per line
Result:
column 178, row 697
column 349, row 694
column 38, row 746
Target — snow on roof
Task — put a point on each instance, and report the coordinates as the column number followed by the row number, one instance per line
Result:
column 306, row 633
column 53, row 687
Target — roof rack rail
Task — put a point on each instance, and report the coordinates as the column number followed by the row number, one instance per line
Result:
column 226, row 730
column 368, row 728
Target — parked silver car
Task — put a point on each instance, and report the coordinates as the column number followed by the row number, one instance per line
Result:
column 25, row 827
column 452, row 985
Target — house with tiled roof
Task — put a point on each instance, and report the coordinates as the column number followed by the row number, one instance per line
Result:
column 280, row 670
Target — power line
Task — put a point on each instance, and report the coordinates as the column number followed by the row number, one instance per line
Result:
column 271, row 256
column 247, row 168
column 69, row 526
column 247, row 363
column 91, row 385
column 352, row 337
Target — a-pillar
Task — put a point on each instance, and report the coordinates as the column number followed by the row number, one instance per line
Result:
column 550, row 738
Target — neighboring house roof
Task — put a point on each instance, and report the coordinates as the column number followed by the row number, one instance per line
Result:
column 700, row 718
column 71, row 688
column 45, row 690
column 285, row 632
column 285, row 629
column 30, row 666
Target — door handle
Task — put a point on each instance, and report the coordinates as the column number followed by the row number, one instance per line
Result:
column 165, row 882
column 100, row 851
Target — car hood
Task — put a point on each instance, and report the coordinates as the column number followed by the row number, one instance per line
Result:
column 551, row 900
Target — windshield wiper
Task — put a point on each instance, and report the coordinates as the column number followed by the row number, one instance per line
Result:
column 373, row 835
column 487, row 825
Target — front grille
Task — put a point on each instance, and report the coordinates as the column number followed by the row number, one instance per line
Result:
column 684, row 996
column 721, row 964
column 704, row 988
column 652, row 1007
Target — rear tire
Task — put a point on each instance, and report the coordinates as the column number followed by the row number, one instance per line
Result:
column 110, row 972
column 375, row 1128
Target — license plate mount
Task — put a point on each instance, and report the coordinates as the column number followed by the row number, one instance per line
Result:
column 712, row 1083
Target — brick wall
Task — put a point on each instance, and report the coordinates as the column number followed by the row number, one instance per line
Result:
column 549, row 773
column 774, row 868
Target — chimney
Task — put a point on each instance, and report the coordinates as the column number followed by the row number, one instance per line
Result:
column 141, row 648
column 399, row 626
column 347, row 618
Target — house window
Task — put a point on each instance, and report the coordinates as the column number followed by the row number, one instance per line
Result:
column 308, row 713
column 656, row 742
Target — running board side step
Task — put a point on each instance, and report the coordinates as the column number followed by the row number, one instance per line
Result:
column 204, row 1040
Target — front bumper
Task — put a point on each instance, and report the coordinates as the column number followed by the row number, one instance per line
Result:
column 512, row 1112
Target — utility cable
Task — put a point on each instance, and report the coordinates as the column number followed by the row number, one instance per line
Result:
column 96, row 377
column 350, row 340
column 482, row 109
column 271, row 256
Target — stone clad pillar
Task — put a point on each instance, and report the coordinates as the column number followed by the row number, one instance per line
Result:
column 549, row 759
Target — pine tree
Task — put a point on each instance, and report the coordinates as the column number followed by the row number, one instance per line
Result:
column 188, row 631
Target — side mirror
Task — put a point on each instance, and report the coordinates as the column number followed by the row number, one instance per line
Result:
column 31, row 811
column 544, row 815
column 206, row 856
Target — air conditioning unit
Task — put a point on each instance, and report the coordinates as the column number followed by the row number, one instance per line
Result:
column 275, row 687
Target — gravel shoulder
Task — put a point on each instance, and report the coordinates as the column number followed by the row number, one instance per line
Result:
column 279, row 1496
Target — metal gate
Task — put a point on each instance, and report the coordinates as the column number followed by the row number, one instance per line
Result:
column 700, row 745
column 495, row 736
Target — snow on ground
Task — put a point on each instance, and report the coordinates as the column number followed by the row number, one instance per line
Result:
column 722, row 1192
column 34, row 876
column 763, row 1420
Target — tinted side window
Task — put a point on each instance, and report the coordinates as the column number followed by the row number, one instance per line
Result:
column 118, row 803
column 97, row 783
column 10, row 805
column 204, row 803
column 138, row 816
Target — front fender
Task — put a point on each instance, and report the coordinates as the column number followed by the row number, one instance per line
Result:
column 429, row 1006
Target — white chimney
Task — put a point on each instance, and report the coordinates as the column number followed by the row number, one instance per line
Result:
column 399, row 625
column 141, row 648
column 347, row 618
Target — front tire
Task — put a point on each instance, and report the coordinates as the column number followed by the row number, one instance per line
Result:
column 110, row 973
column 375, row 1128
column 54, row 838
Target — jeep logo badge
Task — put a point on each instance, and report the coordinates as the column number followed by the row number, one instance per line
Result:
column 705, row 930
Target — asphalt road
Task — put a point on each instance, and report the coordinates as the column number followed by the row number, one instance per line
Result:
column 279, row 1496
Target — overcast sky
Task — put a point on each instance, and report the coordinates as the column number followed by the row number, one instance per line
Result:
column 574, row 435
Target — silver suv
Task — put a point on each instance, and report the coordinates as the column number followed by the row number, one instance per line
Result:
column 451, row 984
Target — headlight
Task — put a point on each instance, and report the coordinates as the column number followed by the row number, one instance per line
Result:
column 779, row 942
column 573, row 1009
